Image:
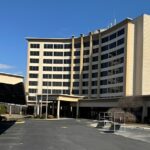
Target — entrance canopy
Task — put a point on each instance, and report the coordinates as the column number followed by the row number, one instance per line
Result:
column 59, row 97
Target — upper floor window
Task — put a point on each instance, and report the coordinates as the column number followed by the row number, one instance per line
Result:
column 77, row 45
column 48, row 54
column 34, row 45
column 112, row 45
column 34, row 68
column 105, row 39
column 58, row 46
column 58, row 61
column 47, row 61
column 67, row 53
column 47, row 68
column 34, row 60
column 121, row 41
column 47, row 76
column 68, row 46
column 48, row 46
column 77, row 53
column 86, row 44
column 86, row 52
column 95, row 50
column 95, row 42
column 121, row 32
column 34, row 53
column 33, row 83
column 76, row 61
column 57, row 76
column 112, row 36
column 32, row 75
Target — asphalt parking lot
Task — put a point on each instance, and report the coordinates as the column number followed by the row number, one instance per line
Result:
column 67, row 134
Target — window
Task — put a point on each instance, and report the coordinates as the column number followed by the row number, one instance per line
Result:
column 67, row 61
column 112, row 36
column 76, row 76
column 94, row 83
column 75, row 91
column 66, row 84
column 33, row 83
column 86, row 52
column 105, row 56
column 103, row 73
column 104, row 65
column 103, row 82
column 66, row 76
column 94, row 91
column 32, row 98
column 33, row 75
column 46, row 83
column 56, row 91
column 77, row 45
column 86, row 44
column 34, row 53
column 48, row 54
column 95, row 75
column 103, row 91
column 112, row 45
column 76, row 68
column 121, row 32
column 48, row 46
column 57, row 68
column 119, row 79
column 68, row 46
column 105, row 39
column 47, row 76
column 95, row 66
column 84, row 91
column 46, row 91
column 47, row 68
column 57, row 83
column 67, row 53
column 85, row 83
column 34, row 68
column 85, row 76
column 120, row 51
column 104, row 48
column 47, row 61
column 57, row 76
column 67, row 68
column 32, row 90
column 85, row 68
column 34, row 45
column 112, row 54
column 95, row 42
column 58, row 61
column 58, row 53
column 85, row 60
column 121, row 41
column 66, row 91
column 95, row 58
column 76, row 84
column 34, row 60
column 77, row 53
column 95, row 50
column 58, row 46
column 76, row 61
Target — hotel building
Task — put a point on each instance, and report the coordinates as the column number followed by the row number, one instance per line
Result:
column 103, row 66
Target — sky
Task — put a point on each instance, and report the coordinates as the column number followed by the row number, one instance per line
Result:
column 55, row 19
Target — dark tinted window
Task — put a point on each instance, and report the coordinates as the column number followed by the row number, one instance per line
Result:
column 47, row 46
column 34, row 45
column 34, row 53
column 121, row 32
column 58, row 46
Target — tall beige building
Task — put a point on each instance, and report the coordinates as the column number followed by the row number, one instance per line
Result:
column 106, row 64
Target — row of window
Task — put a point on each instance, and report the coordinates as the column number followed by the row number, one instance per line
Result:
column 112, row 72
column 111, row 81
column 117, row 89
column 112, row 54
column 113, row 36
column 64, row 46
column 112, row 63
column 112, row 45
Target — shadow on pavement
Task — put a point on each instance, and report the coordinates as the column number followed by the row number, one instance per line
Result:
column 5, row 125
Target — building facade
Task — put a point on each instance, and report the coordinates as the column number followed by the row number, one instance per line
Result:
column 105, row 64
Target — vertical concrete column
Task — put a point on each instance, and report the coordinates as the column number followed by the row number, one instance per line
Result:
column 99, row 66
column 71, row 73
column 58, row 109
column 90, row 64
column 81, row 66
column 38, row 109
column 77, row 110
column 144, row 113
column 10, row 109
column 20, row 110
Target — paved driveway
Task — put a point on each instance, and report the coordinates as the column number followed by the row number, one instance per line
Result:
column 66, row 134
